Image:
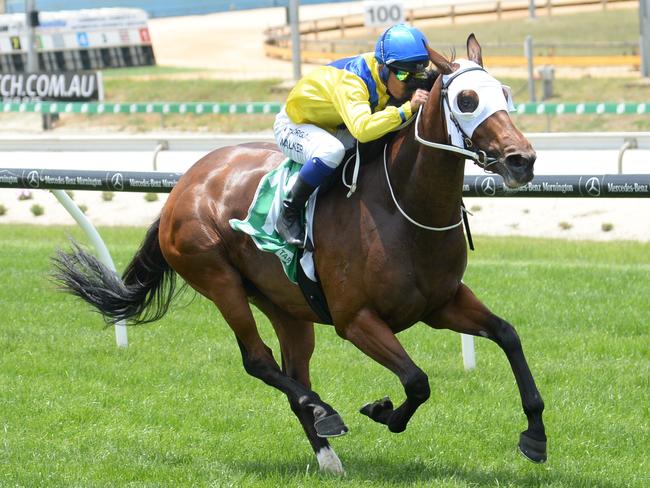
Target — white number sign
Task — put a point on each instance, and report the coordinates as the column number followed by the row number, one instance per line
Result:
column 380, row 13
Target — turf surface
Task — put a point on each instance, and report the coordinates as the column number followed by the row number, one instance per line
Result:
column 177, row 409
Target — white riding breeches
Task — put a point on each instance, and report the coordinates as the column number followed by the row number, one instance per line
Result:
column 302, row 142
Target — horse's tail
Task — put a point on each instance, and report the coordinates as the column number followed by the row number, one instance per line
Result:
column 142, row 295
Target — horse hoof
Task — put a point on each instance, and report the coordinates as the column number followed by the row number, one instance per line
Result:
column 330, row 426
column 377, row 410
column 329, row 462
column 532, row 449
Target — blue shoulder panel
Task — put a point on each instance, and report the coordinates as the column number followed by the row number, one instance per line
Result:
column 358, row 66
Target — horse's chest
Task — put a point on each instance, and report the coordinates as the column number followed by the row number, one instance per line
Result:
column 375, row 260
column 409, row 285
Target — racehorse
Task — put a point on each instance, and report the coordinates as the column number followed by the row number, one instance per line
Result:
column 391, row 255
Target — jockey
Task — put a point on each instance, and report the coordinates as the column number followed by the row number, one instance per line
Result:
column 335, row 105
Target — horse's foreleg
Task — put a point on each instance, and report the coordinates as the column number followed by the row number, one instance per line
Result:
column 297, row 344
column 373, row 336
column 466, row 314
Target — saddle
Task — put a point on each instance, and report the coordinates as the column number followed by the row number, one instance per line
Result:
column 259, row 224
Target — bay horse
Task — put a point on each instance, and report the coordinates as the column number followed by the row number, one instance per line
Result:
column 391, row 255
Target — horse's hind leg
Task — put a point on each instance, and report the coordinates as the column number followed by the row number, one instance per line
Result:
column 466, row 314
column 297, row 344
column 373, row 336
column 220, row 282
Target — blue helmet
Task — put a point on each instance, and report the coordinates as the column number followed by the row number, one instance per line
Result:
column 403, row 47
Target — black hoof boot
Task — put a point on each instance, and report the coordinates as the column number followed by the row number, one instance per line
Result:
column 532, row 449
column 330, row 426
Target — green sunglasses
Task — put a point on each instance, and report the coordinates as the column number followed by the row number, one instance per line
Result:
column 404, row 76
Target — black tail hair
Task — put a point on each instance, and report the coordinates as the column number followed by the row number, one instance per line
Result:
column 142, row 295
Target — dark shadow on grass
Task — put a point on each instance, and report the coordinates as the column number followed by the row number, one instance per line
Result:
column 360, row 469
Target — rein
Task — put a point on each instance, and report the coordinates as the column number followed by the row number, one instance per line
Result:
column 479, row 157
column 406, row 216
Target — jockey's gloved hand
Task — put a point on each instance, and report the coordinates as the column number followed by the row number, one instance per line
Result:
column 418, row 99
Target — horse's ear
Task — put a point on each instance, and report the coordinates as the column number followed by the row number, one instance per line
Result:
column 474, row 50
column 442, row 63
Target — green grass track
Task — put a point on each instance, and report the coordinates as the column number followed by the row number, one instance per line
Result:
column 177, row 409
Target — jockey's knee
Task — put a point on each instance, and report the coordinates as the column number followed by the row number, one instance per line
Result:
column 332, row 155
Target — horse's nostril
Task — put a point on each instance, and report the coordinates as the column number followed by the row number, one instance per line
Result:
column 520, row 160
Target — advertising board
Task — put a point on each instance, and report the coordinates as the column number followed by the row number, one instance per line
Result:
column 78, row 40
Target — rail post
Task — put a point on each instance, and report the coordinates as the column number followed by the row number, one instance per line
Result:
column 161, row 146
column 102, row 251
column 629, row 143
column 528, row 50
column 644, row 20
column 295, row 39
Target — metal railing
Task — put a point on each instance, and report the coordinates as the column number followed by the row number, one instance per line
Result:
column 542, row 141
column 622, row 142
column 490, row 185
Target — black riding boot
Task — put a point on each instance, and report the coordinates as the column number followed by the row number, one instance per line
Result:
column 289, row 224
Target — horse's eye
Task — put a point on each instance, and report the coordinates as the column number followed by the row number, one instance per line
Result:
column 467, row 101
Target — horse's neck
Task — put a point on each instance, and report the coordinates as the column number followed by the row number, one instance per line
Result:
column 428, row 181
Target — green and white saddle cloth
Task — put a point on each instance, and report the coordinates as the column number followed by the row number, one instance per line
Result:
column 263, row 213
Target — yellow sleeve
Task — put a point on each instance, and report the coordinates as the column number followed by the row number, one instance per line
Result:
column 351, row 101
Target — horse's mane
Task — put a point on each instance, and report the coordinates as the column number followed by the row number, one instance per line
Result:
column 423, row 83
column 426, row 82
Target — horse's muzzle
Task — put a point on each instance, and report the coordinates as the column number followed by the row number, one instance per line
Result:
column 518, row 168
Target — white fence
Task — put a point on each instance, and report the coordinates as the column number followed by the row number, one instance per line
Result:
column 558, row 153
column 566, row 141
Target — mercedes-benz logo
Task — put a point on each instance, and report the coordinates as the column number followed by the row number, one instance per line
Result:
column 32, row 179
column 488, row 186
column 117, row 181
column 592, row 186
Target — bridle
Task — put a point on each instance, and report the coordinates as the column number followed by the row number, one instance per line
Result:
column 480, row 157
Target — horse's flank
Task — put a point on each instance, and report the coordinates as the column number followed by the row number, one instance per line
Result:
column 195, row 224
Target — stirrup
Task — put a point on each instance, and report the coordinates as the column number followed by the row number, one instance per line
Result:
column 298, row 240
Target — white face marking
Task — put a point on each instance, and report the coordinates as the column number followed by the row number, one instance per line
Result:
column 329, row 462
